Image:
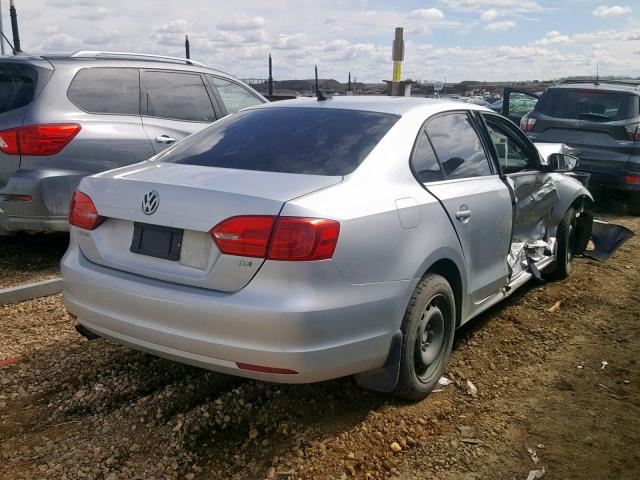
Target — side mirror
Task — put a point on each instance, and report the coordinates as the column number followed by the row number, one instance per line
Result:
column 561, row 162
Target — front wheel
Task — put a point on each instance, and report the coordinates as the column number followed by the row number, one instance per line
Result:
column 427, row 337
column 566, row 238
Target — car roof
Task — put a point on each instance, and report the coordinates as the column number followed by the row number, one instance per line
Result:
column 631, row 86
column 372, row 103
column 119, row 58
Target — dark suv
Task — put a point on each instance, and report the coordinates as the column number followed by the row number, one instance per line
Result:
column 63, row 117
column 602, row 120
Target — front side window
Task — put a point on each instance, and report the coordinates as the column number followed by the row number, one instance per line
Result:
column 424, row 161
column 106, row 90
column 234, row 96
column 458, row 146
column 177, row 96
column 511, row 155
column 307, row 140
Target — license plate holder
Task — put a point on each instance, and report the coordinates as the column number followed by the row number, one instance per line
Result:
column 156, row 241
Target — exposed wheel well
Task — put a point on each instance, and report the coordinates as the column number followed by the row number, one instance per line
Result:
column 448, row 269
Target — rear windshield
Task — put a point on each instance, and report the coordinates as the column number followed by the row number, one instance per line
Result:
column 314, row 141
column 17, row 85
column 588, row 104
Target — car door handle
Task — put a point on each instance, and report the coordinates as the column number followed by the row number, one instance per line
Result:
column 463, row 214
column 165, row 139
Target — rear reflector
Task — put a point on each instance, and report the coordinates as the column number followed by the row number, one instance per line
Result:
column 277, row 238
column 258, row 368
column 37, row 140
column 83, row 213
column 632, row 179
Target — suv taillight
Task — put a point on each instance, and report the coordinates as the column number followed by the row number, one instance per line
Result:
column 277, row 238
column 633, row 132
column 527, row 123
column 83, row 213
column 37, row 140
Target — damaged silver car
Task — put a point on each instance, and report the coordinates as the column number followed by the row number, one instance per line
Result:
column 313, row 239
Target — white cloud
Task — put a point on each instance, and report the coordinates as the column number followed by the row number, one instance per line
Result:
column 515, row 5
column 489, row 15
column 93, row 14
column 428, row 14
column 500, row 26
column 242, row 23
column 290, row 42
column 174, row 26
column 605, row 11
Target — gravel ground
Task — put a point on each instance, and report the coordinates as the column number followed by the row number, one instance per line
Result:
column 72, row 408
column 29, row 258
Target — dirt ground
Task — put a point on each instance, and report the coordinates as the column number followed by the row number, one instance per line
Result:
column 71, row 408
column 28, row 258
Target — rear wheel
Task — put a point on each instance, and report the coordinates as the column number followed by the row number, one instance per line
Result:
column 566, row 237
column 427, row 337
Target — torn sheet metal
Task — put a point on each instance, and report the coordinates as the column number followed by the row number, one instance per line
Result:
column 607, row 238
column 536, row 196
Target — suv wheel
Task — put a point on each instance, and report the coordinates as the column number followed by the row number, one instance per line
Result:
column 634, row 203
column 428, row 328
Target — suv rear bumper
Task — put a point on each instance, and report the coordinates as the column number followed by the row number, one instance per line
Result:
column 48, row 209
column 323, row 328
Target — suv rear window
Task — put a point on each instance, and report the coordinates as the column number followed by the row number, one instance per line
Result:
column 17, row 85
column 106, row 90
column 588, row 104
column 314, row 141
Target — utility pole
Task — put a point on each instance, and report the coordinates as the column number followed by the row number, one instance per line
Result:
column 270, row 77
column 397, row 55
column 186, row 46
column 1, row 31
column 349, row 83
column 14, row 28
column 317, row 85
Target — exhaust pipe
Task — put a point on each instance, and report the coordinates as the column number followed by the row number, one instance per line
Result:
column 85, row 332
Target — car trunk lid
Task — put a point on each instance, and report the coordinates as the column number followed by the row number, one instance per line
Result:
column 191, row 201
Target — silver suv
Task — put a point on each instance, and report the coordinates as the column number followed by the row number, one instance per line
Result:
column 63, row 117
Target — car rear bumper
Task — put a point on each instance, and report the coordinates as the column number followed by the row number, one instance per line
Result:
column 323, row 329
column 49, row 192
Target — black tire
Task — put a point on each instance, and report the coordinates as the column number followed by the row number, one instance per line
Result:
column 565, row 249
column 428, row 328
column 634, row 203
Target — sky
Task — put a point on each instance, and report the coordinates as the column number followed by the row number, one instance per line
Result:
column 488, row 40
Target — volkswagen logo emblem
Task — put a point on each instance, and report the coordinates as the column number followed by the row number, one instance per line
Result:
column 150, row 202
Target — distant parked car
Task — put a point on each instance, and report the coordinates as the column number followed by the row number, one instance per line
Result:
column 66, row 116
column 601, row 119
column 496, row 106
column 307, row 240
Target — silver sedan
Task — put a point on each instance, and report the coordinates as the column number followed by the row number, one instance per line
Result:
column 311, row 239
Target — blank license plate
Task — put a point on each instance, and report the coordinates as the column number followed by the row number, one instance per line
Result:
column 156, row 241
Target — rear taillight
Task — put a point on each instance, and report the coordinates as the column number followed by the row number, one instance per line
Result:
column 527, row 123
column 277, row 238
column 303, row 239
column 246, row 236
column 37, row 140
column 633, row 132
column 83, row 213
column 632, row 178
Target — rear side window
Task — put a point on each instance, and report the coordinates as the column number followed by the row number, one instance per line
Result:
column 588, row 104
column 178, row 96
column 424, row 161
column 234, row 96
column 17, row 85
column 458, row 146
column 314, row 141
column 106, row 90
